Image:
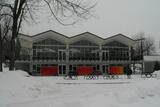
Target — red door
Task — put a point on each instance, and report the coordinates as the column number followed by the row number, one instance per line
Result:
column 116, row 70
column 49, row 71
column 84, row 70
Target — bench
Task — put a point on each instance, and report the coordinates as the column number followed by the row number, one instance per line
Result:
column 107, row 76
column 91, row 77
column 148, row 75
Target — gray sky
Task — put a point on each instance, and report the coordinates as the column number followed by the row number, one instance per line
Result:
column 113, row 16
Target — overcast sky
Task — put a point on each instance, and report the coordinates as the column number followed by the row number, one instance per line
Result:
column 112, row 17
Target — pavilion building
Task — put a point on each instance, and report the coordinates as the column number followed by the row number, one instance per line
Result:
column 52, row 53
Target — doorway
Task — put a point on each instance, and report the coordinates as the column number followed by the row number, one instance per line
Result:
column 105, row 69
column 61, row 69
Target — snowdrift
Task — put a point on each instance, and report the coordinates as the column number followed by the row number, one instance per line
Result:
column 18, row 89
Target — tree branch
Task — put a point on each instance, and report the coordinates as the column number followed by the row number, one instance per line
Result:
column 21, row 4
column 56, row 16
column 5, row 14
column 6, row 5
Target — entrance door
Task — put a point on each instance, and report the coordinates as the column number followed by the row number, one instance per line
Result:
column 105, row 69
column 61, row 69
column 61, row 55
column 105, row 55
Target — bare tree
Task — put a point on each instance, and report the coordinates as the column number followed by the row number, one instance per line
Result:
column 1, row 51
column 19, row 10
column 149, row 46
column 144, row 45
column 5, row 23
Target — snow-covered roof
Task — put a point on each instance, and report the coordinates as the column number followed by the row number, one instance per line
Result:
column 152, row 58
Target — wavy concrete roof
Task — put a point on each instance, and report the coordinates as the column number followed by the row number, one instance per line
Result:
column 83, row 36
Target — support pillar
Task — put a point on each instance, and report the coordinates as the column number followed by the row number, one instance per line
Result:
column 143, row 69
column 129, row 50
column 100, row 57
column 67, row 59
column 31, row 61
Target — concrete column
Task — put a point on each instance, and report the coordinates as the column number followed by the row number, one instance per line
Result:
column 31, row 60
column 143, row 68
column 67, row 59
column 67, row 53
column 129, row 53
column 100, row 57
column 134, row 68
column 129, row 50
column 100, row 53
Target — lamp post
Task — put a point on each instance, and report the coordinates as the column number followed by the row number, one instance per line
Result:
column 141, row 40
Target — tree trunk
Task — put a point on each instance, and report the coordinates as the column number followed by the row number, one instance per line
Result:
column 12, row 43
column 1, row 52
column 1, row 56
column 12, row 51
column 12, row 55
column 1, row 68
column 11, row 64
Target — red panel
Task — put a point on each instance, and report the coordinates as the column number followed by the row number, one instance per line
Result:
column 49, row 71
column 116, row 70
column 112, row 70
column 84, row 70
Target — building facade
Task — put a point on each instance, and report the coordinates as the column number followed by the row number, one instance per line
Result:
column 51, row 52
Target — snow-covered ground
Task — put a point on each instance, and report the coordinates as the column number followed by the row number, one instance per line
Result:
column 18, row 89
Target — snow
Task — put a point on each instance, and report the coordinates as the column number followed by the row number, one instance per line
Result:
column 18, row 89
column 152, row 58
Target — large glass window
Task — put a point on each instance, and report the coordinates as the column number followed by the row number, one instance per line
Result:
column 84, row 50
column 48, row 49
column 115, row 51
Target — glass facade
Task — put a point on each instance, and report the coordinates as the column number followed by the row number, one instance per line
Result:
column 52, row 52
column 83, row 50
column 49, row 49
column 115, row 51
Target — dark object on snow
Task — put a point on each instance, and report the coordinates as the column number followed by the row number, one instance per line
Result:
column 94, row 75
column 148, row 75
column 71, row 75
column 129, row 73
